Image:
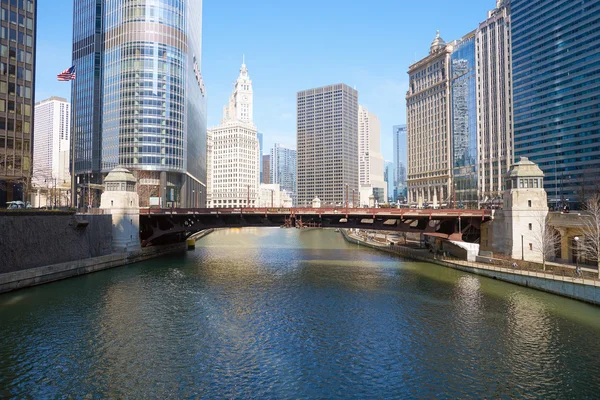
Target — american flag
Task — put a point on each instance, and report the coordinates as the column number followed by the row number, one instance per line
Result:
column 67, row 75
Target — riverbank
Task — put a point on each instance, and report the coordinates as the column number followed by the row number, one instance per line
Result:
column 583, row 289
column 38, row 276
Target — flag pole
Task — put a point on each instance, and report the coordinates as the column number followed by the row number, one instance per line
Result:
column 73, row 176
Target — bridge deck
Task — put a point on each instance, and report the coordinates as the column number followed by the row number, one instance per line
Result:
column 367, row 212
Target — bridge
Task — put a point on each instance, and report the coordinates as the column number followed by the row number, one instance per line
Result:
column 163, row 226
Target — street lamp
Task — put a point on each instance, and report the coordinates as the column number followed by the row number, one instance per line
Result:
column 576, row 238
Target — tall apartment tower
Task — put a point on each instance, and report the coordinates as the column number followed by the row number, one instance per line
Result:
column 327, row 143
column 556, row 93
column 399, row 187
column 370, row 160
column 51, row 148
column 494, row 102
column 140, row 97
column 283, row 169
column 235, row 154
column 429, row 126
column 463, row 108
column 17, row 88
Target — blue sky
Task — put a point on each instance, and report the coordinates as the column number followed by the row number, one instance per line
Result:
column 292, row 46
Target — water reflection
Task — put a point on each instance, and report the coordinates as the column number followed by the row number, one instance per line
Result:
column 276, row 313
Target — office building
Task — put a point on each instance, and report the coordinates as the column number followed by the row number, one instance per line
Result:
column 327, row 144
column 399, row 187
column 51, row 147
column 283, row 168
column 494, row 103
column 235, row 150
column 388, row 177
column 429, row 126
column 463, row 97
column 266, row 169
column 370, row 160
column 260, row 156
column 17, row 88
column 556, row 93
column 140, row 98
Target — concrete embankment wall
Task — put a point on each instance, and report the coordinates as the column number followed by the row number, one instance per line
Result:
column 37, row 276
column 567, row 287
column 34, row 239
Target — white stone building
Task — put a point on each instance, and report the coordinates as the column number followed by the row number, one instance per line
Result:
column 233, row 151
column 370, row 160
column 429, row 126
column 271, row 195
column 494, row 102
column 51, row 147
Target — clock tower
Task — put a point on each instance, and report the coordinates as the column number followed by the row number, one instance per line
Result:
column 240, row 105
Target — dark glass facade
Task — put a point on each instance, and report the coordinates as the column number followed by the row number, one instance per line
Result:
column 556, row 92
column 149, row 111
column 17, row 87
column 463, row 86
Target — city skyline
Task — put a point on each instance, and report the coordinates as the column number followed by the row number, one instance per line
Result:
column 380, row 78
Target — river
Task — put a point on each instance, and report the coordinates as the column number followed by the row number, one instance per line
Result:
column 282, row 313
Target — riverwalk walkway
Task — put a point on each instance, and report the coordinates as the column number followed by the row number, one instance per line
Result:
column 563, row 282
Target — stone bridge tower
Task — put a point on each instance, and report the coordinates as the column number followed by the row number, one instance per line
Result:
column 120, row 199
column 525, row 210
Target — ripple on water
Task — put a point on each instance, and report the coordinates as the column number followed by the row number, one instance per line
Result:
column 285, row 314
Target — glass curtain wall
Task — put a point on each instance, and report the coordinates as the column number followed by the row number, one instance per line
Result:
column 464, row 123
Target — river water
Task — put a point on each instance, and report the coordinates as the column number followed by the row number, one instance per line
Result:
column 278, row 313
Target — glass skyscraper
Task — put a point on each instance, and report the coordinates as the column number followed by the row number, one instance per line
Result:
column 283, row 169
column 140, row 98
column 17, row 87
column 400, row 163
column 556, row 92
column 463, row 95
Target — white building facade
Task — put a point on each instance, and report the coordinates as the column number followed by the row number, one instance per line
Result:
column 233, row 151
column 272, row 196
column 494, row 102
column 370, row 160
column 51, row 147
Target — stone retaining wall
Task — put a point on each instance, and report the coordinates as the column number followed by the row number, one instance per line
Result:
column 34, row 239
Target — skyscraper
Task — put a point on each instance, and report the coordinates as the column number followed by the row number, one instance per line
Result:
column 236, row 150
column 370, row 160
column 17, row 88
column 556, row 92
column 51, row 147
column 494, row 102
column 266, row 169
column 463, row 97
column 399, row 186
column 260, row 155
column 429, row 126
column 139, row 96
column 283, row 168
column 327, row 143
column 388, row 177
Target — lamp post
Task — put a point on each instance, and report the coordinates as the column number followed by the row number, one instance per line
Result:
column 522, row 250
column 576, row 238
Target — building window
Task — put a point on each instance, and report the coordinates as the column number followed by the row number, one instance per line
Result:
column 530, row 246
column 530, row 227
column 529, row 203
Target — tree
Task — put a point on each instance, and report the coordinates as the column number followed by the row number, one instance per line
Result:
column 590, row 248
column 545, row 238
